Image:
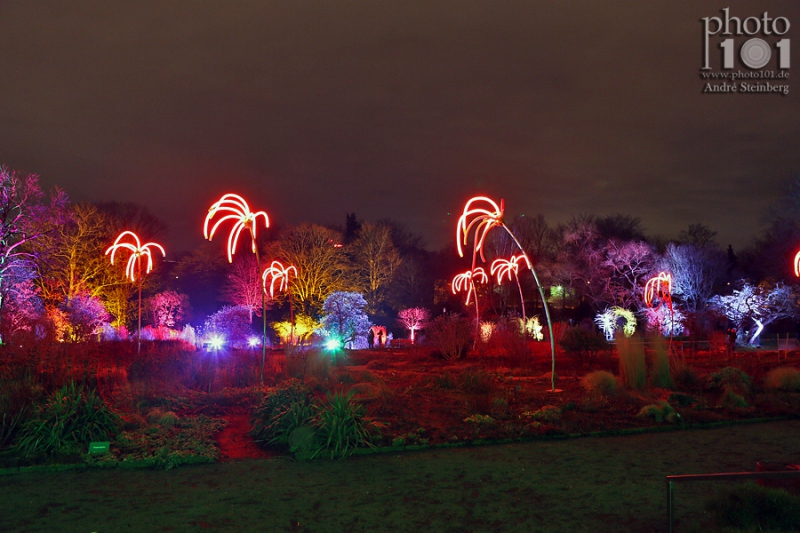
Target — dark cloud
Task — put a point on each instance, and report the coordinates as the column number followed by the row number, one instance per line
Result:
column 392, row 110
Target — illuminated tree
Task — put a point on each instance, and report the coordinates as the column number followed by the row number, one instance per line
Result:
column 129, row 241
column 695, row 272
column 22, row 306
column 23, row 218
column 345, row 318
column 322, row 266
column 413, row 319
column 231, row 325
column 86, row 316
column 243, row 285
column 375, row 262
column 70, row 259
column 630, row 265
column 482, row 214
column 168, row 309
column 756, row 306
column 299, row 331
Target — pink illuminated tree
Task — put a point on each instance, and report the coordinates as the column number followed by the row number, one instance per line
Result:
column 133, row 269
column 482, row 214
column 413, row 319
column 234, row 208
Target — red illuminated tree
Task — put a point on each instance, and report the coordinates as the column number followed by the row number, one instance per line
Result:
column 242, row 287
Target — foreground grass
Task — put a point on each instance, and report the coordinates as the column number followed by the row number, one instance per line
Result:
column 593, row 485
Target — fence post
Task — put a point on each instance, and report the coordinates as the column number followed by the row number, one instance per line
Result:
column 670, row 505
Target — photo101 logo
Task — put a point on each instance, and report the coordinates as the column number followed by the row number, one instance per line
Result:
column 754, row 54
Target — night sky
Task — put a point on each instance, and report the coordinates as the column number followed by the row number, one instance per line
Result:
column 399, row 110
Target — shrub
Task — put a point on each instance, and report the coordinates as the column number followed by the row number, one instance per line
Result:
column 783, row 378
column 660, row 412
column 451, row 335
column 632, row 365
column 68, row 421
column 732, row 400
column 752, row 507
column 583, row 343
column 601, row 383
column 685, row 378
column 279, row 414
column 342, row 426
column 548, row 413
column 729, row 379
column 475, row 381
column 508, row 339
column 444, row 381
column 683, row 400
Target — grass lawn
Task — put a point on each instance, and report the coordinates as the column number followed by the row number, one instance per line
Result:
column 611, row 484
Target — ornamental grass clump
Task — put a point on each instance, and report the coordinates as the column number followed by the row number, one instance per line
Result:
column 784, row 378
column 660, row 412
column 279, row 414
column 600, row 383
column 342, row 425
column 632, row 365
column 660, row 375
column 68, row 420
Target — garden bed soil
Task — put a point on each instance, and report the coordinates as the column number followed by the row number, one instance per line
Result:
column 418, row 399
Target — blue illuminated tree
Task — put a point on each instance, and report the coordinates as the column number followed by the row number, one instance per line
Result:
column 344, row 318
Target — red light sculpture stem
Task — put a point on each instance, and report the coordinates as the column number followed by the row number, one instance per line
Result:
column 234, row 208
column 506, row 267
column 466, row 281
column 281, row 274
column 482, row 214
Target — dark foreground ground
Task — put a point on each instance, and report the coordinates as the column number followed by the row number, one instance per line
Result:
column 611, row 484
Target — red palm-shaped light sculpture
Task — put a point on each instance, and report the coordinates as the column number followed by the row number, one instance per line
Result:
column 797, row 264
column 133, row 269
column 509, row 268
column 281, row 274
column 481, row 214
column 234, row 208
column 466, row 282
column 658, row 289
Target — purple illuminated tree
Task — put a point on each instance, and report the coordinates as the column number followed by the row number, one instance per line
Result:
column 232, row 324
column 755, row 306
column 24, row 216
column 86, row 316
